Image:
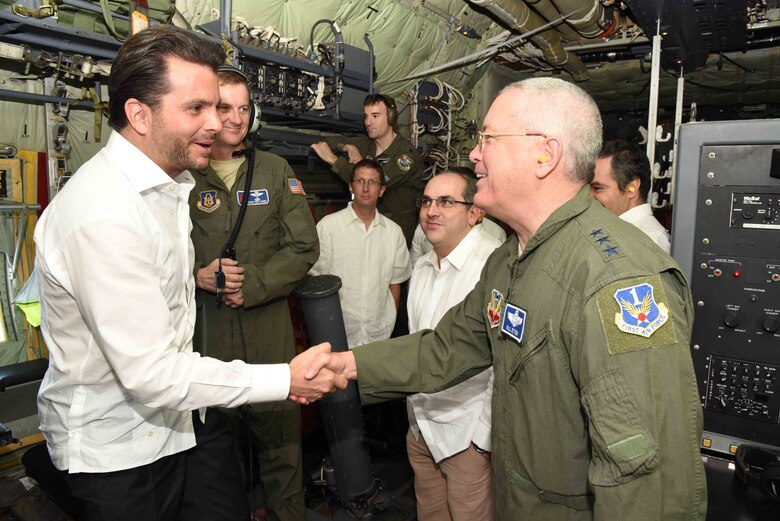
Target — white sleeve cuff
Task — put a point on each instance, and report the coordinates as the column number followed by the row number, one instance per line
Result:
column 270, row 383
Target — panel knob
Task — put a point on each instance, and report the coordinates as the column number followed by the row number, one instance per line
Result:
column 731, row 319
column 771, row 324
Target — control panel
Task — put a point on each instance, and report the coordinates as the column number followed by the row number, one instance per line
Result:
column 743, row 388
column 726, row 236
column 755, row 210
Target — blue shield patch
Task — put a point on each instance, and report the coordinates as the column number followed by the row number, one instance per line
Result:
column 208, row 201
column 639, row 313
column 255, row 197
column 514, row 322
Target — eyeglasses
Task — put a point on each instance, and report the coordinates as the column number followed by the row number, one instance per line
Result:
column 363, row 182
column 441, row 202
column 482, row 135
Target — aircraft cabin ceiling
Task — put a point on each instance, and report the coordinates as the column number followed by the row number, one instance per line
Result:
column 727, row 50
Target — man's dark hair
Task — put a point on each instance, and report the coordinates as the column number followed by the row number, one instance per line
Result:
column 629, row 162
column 373, row 165
column 469, row 176
column 373, row 99
column 140, row 70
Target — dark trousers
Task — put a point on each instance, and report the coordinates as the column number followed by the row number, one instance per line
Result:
column 151, row 492
column 214, row 487
column 276, row 440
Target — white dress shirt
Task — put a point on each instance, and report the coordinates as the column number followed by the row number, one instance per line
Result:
column 642, row 217
column 450, row 419
column 367, row 261
column 114, row 263
column 421, row 245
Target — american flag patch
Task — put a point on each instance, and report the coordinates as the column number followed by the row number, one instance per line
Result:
column 295, row 186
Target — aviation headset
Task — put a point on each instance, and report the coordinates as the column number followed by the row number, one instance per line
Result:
column 759, row 467
column 392, row 110
column 254, row 109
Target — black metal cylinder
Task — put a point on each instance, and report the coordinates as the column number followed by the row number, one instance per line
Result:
column 341, row 410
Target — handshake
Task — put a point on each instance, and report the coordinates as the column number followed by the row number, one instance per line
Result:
column 317, row 372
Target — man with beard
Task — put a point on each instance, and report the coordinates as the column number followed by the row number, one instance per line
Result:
column 586, row 323
column 114, row 263
column 274, row 247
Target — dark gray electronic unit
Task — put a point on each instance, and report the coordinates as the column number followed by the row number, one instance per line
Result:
column 726, row 237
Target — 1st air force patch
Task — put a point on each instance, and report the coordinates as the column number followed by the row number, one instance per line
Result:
column 635, row 316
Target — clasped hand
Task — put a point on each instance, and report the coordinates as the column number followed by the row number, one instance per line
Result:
column 316, row 364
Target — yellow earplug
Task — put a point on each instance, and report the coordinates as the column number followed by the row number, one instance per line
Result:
column 631, row 189
column 543, row 158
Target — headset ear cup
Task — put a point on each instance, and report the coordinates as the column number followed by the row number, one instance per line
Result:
column 254, row 118
column 392, row 115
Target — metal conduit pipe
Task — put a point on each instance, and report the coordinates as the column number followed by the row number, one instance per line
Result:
column 518, row 17
column 549, row 12
column 589, row 21
column 575, row 66
column 15, row 95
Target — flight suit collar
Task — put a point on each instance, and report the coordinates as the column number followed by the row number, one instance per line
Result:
column 213, row 178
column 565, row 213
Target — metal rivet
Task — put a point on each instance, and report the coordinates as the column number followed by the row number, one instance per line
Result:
column 700, row 303
column 708, row 202
column 696, row 347
column 705, row 241
column 704, row 265
column 712, row 155
column 711, row 174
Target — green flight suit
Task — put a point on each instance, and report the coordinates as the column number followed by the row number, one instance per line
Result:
column 589, row 421
column 276, row 247
column 404, row 170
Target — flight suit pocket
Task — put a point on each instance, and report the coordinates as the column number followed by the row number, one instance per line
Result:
column 622, row 447
column 528, row 349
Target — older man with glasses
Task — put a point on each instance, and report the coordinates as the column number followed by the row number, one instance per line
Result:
column 585, row 323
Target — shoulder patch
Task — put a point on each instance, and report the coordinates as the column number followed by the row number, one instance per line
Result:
column 604, row 244
column 404, row 162
column 494, row 308
column 208, row 201
column 296, row 186
column 634, row 315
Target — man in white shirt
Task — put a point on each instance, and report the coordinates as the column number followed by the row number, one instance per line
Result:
column 368, row 252
column 115, row 268
column 622, row 183
column 449, row 436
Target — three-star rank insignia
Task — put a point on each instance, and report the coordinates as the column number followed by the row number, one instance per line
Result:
column 208, row 201
column 604, row 244
column 634, row 315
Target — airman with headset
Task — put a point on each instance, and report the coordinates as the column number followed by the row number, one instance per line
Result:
column 400, row 160
column 254, row 239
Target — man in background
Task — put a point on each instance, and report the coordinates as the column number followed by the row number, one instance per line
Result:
column 275, row 245
column 622, row 184
column 449, row 436
column 586, row 324
column 114, row 264
column 401, row 163
column 368, row 252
